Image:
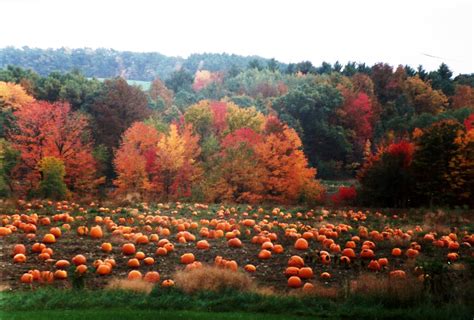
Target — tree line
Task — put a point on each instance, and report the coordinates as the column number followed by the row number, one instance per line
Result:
column 347, row 120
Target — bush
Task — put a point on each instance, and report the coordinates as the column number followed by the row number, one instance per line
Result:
column 210, row 278
column 52, row 185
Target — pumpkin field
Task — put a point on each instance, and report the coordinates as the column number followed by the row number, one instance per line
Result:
column 295, row 253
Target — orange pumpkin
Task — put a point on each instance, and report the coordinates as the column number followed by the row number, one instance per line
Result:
column 79, row 259
column 62, row 264
column 152, row 276
column 128, row 249
column 96, row 232
column 104, row 269
column 234, row 243
column 60, row 274
column 133, row 263
column 19, row 258
column 167, row 283
column 325, row 275
column 26, row 278
column 187, row 258
column 202, row 245
column 134, row 275
column 264, row 254
column 161, row 251
column 49, row 238
column 81, row 269
column 305, row 273
column 294, row 282
column 106, row 247
column 250, row 268
column 149, row 261
column 19, row 248
column 296, row 261
column 301, row 244
column 396, row 252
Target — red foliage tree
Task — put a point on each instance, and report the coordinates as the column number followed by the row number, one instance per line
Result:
column 52, row 130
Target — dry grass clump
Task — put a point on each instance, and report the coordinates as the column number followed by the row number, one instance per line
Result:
column 321, row 291
column 397, row 289
column 210, row 278
column 130, row 285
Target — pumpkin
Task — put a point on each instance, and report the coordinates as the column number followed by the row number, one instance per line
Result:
column 81, row 269
column 128, row 249
column 152, row 276
column 106, row 247
column 60, row 274
column 398, row 274
column 79, row 259
column 47, row 276
column 234, row 243
column 96, row 232
column 294, row 282
column 38, row 247
column 161, row 251
column 345, row 260
column 134, row 275
column 55, row 231
column 301, row 244
column 292, row 271
column 296, row 261
column 308, row 287
column 187, row 258
column 202, row 245
column 325, row 275
column 167, row 283
column 325, row 259
column 49, row 238
column 103, row 269
column 305, row 273
column 264, row 254
column 278, row 248
column 5, row 231
column 232, row 265
column 367, row 254
column 19, row 248
column 453, row 256
column 383, row 262
column 62, row 264
column 26, row 278
column 19, row 258
column 133, row 263
column 412, row 253
column 149, row 261
column 374, row 265
column 396, row 252
column 250, row 268
column 349, row 252
column 140, row 255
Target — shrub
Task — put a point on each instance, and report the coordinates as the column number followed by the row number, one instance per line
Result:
column 210, row 278
column 52, row 185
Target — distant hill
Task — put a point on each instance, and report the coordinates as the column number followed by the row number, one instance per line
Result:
column 108, row 63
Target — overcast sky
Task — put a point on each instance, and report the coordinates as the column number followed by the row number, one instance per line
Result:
column 394, row 31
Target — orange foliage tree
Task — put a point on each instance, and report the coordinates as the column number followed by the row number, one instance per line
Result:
column 52, row 130
column 157, row 165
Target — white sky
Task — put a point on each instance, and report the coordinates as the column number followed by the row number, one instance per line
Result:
column 392, row 31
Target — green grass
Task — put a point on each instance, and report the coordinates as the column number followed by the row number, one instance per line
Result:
column 125, row 314
column 174, row 304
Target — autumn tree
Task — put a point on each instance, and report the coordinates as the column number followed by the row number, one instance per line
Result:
column 115, row 109
column 132, row 160
column 8, row 160
column 52, row 184
column 386, row 177
column 463, row 97
column 289, row 178
column 423, row 97
column 52, row 130
column 460, row 176
column 161, row 98
column 435, row 149
column 13, row 96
